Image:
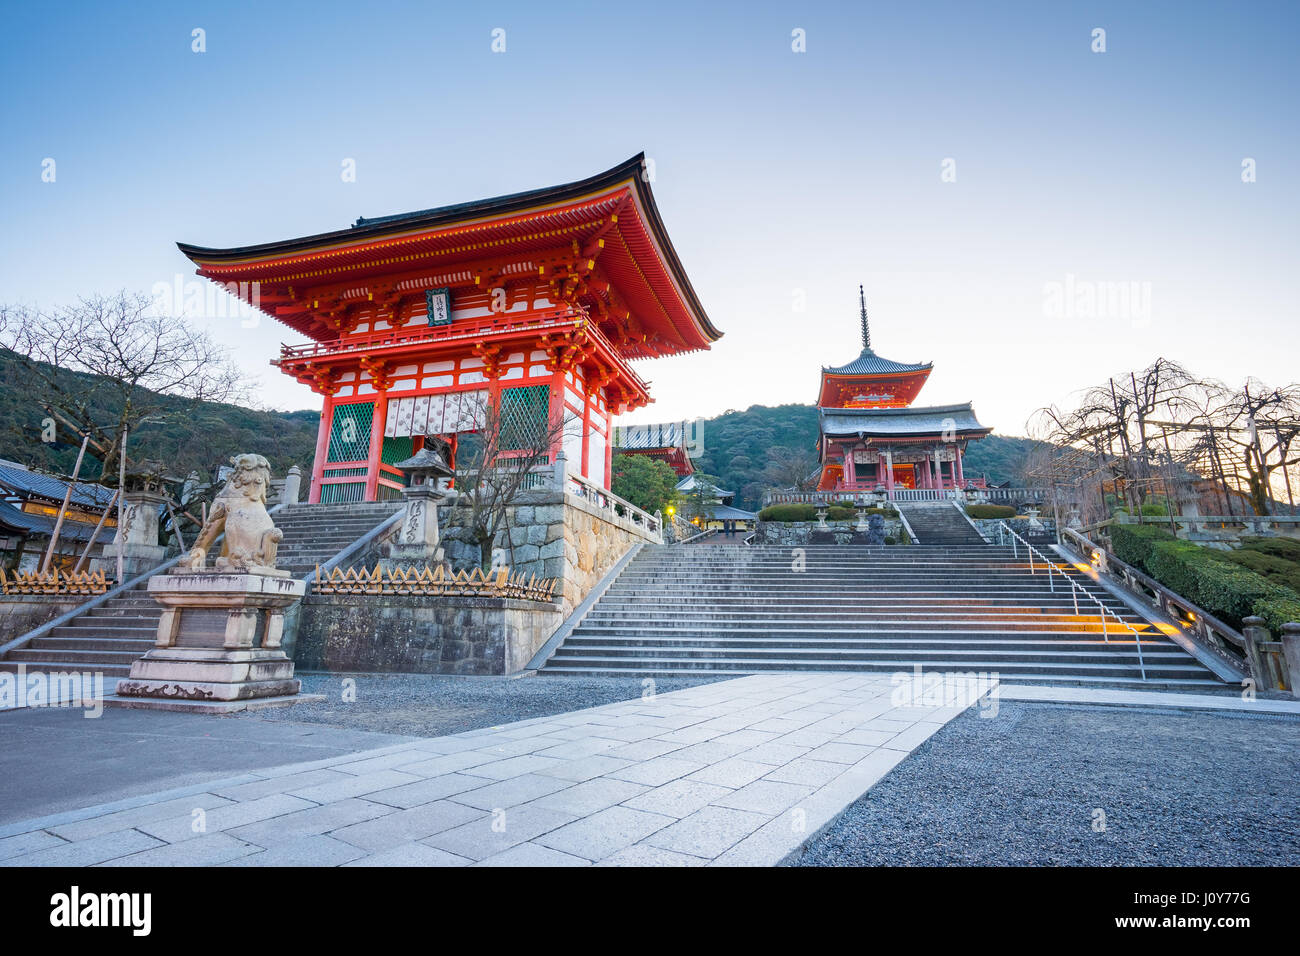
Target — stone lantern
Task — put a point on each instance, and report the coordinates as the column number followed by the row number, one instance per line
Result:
column 143, row 498
column 416, row 540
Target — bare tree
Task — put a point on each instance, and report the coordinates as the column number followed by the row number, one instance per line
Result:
column 501, row 461
column 1151, row 432
column 1258, row 429
column 110, row 363
column 794, row 468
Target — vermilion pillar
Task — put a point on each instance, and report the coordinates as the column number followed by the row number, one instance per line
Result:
column 609, row 448
column 961, row 479
column 322, row 449
column 377, row 419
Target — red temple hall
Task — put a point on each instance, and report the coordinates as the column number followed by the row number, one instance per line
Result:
column 873, row 438
column 536, row 303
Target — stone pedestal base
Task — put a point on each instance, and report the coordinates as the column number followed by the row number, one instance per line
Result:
column 218, row 642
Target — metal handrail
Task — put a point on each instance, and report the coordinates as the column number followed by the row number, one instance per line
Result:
column 1005, row 529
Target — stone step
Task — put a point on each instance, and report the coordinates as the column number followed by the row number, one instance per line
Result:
column 119, row 620
column 1115, row 634
column 138, row 647
column 1023, row 655
column 75, row 658
column 1061, row 680
column 695, row 618
column 111, row 672
column 76, row 628
column 1113, row 669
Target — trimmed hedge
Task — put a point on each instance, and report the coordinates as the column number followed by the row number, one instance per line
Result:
column 1288, row 549
column 990, row 511
column 1278, row 610
column 1223, row 588
column 1132, row 544
column 1278, row 570
column 788, row 513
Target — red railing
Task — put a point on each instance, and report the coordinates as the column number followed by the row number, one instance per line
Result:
column 459, row 331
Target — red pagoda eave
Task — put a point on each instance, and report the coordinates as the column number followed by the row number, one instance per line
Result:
column 610, row 220
column 910, row 439
column 904, row 389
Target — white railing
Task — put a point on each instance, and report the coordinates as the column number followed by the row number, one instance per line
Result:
column 608, row 501
column 556, row 476
column 880, row 495
column 1226, row 642
column 1262, row 525
column 1017, row 542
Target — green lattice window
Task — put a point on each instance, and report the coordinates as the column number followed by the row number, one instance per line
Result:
column 340, row 493
column 525, row 416
column 350, row 432
column 395, row 450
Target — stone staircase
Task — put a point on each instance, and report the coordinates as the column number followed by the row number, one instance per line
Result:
column 110, row 637
column 939, row 522
column 948, row 607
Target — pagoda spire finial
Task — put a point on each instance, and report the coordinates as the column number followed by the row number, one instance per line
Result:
column 866, row 328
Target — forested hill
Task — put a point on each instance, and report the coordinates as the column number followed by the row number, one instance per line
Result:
column 201, row 440
column 736, row 444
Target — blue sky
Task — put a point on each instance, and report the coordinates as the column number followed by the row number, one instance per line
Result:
column 783, row 177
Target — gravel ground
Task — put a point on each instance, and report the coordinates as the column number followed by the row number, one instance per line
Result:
column 428, row 705
column 1022, row 789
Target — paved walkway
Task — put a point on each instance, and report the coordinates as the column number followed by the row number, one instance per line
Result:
column 740, row 772
column 55, row 760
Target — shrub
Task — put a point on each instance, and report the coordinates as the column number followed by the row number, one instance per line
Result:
column 890, row 539
column 1286, row 548
column 990, row 511
column 1278, row 609
column 1277, row 570
column 1132, row 544
column 839, row 513
column 1226, row 590
column 788, row 513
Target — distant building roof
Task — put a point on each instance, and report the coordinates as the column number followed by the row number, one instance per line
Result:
column 887, row 422
column 687, row 484
column 869, row 363
column 25, row 483
column 16, row 521
column 728, row 513
column 661, row 435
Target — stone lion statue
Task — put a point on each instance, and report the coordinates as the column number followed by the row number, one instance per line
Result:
column 240, row 510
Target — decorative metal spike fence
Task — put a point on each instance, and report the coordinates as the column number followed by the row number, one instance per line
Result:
column 435, row 581
column 55, row 582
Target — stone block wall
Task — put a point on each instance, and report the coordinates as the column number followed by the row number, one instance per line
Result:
column 421, row 635
column 19, row 613
column 796, row 533
column 551, row 534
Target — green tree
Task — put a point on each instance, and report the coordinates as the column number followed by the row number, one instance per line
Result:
column 702, row 498
column 648, row 483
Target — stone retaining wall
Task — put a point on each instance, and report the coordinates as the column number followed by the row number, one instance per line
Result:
column 421, row 635
column 19, row 613
column 796, row 533
column 551, row 534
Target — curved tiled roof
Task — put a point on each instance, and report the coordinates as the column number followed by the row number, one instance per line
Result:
column 901, row 421
column 20, row 481
column 869, row 363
